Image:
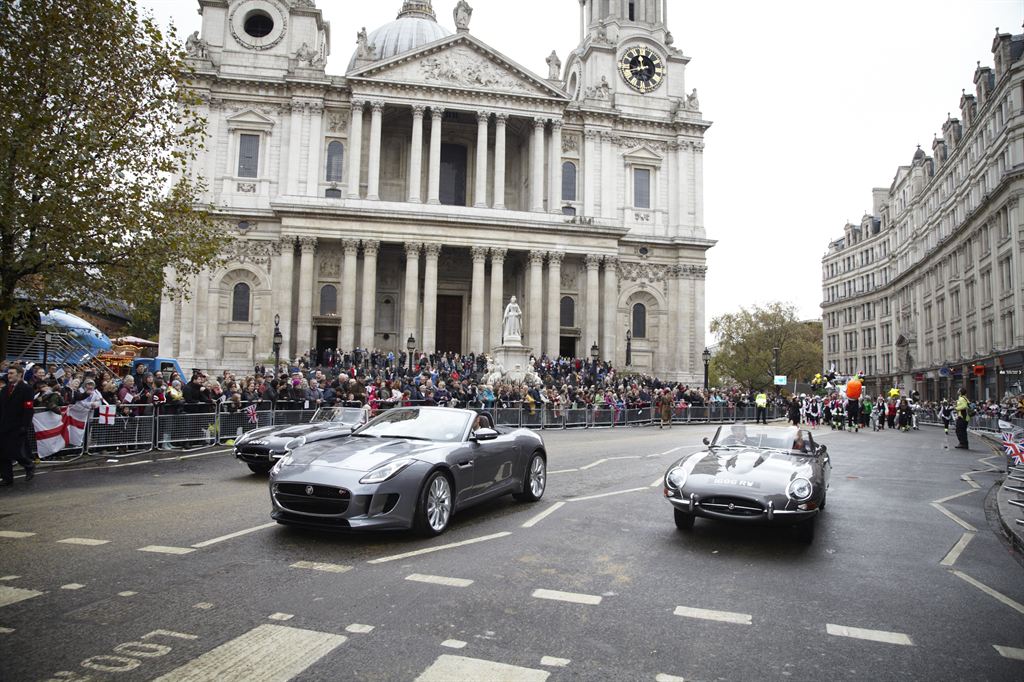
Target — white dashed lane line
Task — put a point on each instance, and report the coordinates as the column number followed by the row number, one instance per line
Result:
column 160, row 549
column 553, row 662
column 1015, row 605
column 203, row 606
column 428, row 550
column 87, row 542
column 359, row 629
column 663, row 677
column 14, row 534
column 617, row 492
column 572, row 597
column 870, row 635
column 957, row 550
column 10, row 577
column 6, row 631
column 231, row 536
column 281, row 616
column 72, row 586
column 320, row 566
column 543, row 515
column 127, row 593
column 719, row 616
column 13, row 595
column 450, row 668
column 1009, row 652
column 439, row 580
column 453, row 644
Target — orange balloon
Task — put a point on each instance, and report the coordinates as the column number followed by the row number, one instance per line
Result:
column 853, row 389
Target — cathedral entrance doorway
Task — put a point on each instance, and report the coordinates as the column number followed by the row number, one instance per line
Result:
column 453, row 174
column 449, row 324
column 567, row 347
column 327, row 337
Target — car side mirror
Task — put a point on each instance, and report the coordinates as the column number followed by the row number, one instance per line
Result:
column 707, row 441
column 485, row 434
column 822, row 450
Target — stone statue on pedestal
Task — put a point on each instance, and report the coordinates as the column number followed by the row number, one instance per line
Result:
column 512, row 322
column 462, row 14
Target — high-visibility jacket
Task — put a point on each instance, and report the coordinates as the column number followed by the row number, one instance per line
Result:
column 962, row 407
column 761, row 400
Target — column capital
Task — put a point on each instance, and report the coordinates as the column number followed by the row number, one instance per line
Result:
column 479, row 254
column 436, row 113
column 536, row 258
column 611, row 262
column 350, row 246
column 307, row 244
column 591, row 134
column 539, row 123
column 287, row 245
column 556, row 124
column 358, row 104
column 371, row 247
column 417, row 110
column 412, row 249
column 498, row 255
column 432, row 250
column 377, row 106
column 593, row 261
column 501, row 118
column 483, row 117
column 556, row 258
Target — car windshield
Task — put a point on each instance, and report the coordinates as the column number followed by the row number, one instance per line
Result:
column 438, row 424
column 340, row 415
column 741, row 435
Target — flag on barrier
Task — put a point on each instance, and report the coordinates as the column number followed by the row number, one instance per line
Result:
column 108, row 415
column 54, row 432
column 251, row 413
column 1014, row 450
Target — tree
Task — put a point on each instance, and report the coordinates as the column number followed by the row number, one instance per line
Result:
column 746, row 340
column 96, row 136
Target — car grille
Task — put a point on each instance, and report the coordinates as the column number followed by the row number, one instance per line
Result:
column 321, row 500
column 736, row 506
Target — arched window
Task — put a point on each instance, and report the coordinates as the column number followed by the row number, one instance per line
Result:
column 639, row 321
column 568, row 312
column 240, row 302
column 329, row 300
column 335, row 159
column 568, row 181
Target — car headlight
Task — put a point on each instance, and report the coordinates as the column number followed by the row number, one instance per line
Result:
column 800, row 489
column 295, row 444
column 383, row 473
column 280, row 464
column 676, row 478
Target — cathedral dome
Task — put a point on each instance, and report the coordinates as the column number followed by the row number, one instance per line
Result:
column 414, row 27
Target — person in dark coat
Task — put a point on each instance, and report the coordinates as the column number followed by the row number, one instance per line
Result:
column 15, row 426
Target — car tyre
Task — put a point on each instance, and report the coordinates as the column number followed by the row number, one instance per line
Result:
column 535, row 481
column 805, row 532
column 260, row 467
column 684, row 521
column 434, row 507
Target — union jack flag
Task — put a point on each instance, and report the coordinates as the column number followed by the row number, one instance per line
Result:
column 1014, row 450
column 251, row 413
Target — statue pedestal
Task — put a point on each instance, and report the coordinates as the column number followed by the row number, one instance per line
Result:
column 515, row 360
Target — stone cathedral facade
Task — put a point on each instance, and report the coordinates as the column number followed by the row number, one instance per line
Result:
column 415, row 194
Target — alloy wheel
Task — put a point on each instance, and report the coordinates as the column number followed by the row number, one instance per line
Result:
column 439, row 503
column 538, row 476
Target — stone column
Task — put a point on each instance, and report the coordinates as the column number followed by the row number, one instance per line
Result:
column 202, row 312
column 355, row 148
column 480, row 190
column 537, row 167
column 283, row 283
column 314, row 171
column 434, row 174
column 497, row 296
column 304, row 332
column 294, row 147
column 683, row 187
column 499, row 160
column 672, row 176
column 429, row 342
column 416, row 157
column 476, row 303
column 410, row 302
column 589, row 174
column 373, row 179
column 698, row 185
column 555, row 169
column 611, row 308
column 693, row 361
column 608, row 174
column 592, row 330
column 535, row 301
column 369, row 292
column 672, row 348
column 347, row 342
column 554, row 330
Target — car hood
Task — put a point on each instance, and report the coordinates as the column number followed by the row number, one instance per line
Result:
column 308, row 430
column 763, row 466
column 359, row 454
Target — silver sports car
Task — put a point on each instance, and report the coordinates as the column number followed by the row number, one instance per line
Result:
column 763, row 474
column 410, row 467
column 261, row 448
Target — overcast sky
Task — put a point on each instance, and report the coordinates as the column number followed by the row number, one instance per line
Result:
column 814, row 103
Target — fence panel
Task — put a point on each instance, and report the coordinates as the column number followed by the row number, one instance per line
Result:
column 603, row 417
column 506, row 416
column 532, row 417
column 192, row 430
column 576, row 418
column 553, row 417
column 639, row 415
column 128, row 432
column 234, row 425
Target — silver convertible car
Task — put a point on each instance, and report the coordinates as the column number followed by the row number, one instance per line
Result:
column 261, row 448
column 767, row 474
column 410, row 467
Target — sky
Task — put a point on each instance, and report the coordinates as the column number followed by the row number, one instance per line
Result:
column 814, row 103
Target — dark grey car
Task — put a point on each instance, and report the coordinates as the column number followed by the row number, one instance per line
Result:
column 261, row 448
column 410, row 467
column 765, row 474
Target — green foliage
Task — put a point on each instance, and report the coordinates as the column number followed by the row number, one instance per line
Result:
column 96, row 136
column 746, row 340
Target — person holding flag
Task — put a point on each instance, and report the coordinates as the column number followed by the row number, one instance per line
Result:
column 16, row 410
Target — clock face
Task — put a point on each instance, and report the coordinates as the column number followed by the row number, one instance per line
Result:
column 642, row 68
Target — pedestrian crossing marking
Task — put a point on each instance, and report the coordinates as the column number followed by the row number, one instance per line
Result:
column 13, row 595
column 267, row 653
column 449, row 668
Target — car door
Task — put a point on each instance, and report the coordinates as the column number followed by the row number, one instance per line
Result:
column 822, row 456
column 494, row 463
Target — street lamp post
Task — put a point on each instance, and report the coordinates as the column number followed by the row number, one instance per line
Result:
column 410, row 345
column 629, row 347
column 706, row 355
column 595, row 353
column 775, row 354
column 278, row 341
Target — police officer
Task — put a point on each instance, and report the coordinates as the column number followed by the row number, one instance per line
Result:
column 15, row 426
column 962, row 416
column 761, row 401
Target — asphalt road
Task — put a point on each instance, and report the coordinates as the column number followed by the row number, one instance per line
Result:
column 173, row 569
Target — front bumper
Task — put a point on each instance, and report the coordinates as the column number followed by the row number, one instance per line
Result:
column 771, row 510
column 258, row 454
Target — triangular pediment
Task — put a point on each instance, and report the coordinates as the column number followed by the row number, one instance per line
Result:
column 251, row 118
column 643, row 153
column 459, row 62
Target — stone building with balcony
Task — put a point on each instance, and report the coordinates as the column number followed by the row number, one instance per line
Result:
column 415, row 194
column 925, row 293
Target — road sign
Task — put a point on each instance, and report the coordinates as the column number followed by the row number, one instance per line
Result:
column 781, row 380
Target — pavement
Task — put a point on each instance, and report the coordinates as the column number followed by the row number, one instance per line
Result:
column 172, row 570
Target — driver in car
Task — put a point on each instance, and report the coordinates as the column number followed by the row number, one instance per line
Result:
column 737, row 436
column 799, row 445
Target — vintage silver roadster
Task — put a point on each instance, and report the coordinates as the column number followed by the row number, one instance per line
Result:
column 765, row 474
column 261, row 448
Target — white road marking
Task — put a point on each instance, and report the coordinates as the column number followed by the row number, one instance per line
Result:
column 957, row 550
column 669, row 452
column 13, row 595
column 1004, row 651
column 660, row 480
column 135, row 464
column 88, row 542
column 963, row 524
column 127, row 593
column 970, row 481
column 428, row 550
column 449, row 668
column 1016, row 606
column 572, row 597
column 543, row 515
column 359, row 629
column 281, row 616
column 562, row 471
column 6, row 631
column 15, row 534
column 267, row 653
column 870, row 635
column 555, row 662
column 72, row 586
column 720, row 616
column 204, row 605
column 662, row 677
column 592, row 464
column 320, row 566
column 439, row 580
column 992, row 467
column 10, row 577
column 454, row 644
column 952, row 497
column 231, row 536
column 160, row 549
column 617, row 492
